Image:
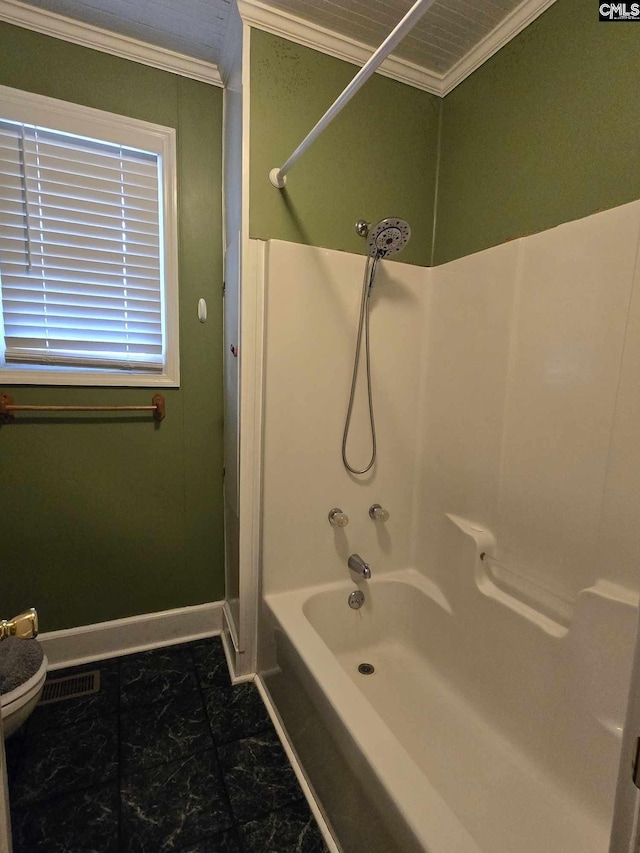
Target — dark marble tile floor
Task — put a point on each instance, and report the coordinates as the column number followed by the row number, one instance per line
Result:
column 167, row 756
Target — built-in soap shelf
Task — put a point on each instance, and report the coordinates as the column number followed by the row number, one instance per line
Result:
column 603, row 603
column 551, row 611
column 543, row 600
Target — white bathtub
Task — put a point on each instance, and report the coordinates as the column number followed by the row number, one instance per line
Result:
column 478, row 731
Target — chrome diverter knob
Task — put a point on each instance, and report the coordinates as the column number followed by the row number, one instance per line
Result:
column 337, row 518
column 378, row 513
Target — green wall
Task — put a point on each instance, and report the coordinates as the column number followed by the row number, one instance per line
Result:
column 546, row 131
column 104, row 518
column 378, row 158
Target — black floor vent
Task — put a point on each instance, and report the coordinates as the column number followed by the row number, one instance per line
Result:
column 70, row 687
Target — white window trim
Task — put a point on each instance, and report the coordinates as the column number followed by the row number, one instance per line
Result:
column 27, row 107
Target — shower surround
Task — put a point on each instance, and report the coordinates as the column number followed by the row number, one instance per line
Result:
column 504, row 593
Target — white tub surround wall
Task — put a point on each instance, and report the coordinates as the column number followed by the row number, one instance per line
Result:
column 530, row 355
column 507, row 403
column 312, row 305
column 618, row 545
column 573, row 296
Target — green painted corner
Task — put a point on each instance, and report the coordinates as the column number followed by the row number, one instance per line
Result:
column 115, row 517
column 201, row 263
column 546, row 131
column 377, row 159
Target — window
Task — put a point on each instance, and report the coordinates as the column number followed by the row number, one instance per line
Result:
column 88, row 246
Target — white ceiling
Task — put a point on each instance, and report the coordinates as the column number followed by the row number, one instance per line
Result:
column 193, row 27
column 451, row 39
column 444, row 34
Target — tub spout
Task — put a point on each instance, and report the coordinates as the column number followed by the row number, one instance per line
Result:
column 358, row 565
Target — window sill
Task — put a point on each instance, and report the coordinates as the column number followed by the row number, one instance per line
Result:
column 106, row 378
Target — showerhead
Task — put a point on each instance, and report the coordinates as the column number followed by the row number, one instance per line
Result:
column 388, row 237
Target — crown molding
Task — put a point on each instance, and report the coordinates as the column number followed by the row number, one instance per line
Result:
column 295, row 29
column 86, row 35
column 515, row 22
column 279, row 23
column 288, row 26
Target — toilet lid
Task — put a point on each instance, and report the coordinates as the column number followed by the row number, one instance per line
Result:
column 19, row 661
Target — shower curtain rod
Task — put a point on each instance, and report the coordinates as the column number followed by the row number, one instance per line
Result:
column 278, row 177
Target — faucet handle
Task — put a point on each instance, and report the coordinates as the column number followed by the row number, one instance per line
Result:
column 378, row 513
column 337, row 518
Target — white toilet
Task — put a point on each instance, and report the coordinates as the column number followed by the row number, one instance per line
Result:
column 23, row 669
column 18, row 703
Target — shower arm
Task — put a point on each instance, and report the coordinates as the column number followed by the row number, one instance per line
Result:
column 278, row 176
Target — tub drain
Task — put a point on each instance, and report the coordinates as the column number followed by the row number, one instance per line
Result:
column 366, row 669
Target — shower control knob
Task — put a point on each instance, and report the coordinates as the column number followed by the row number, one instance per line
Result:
column 337, row 518
column 378, row 513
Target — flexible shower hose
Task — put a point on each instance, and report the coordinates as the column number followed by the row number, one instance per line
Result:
column 367, row 284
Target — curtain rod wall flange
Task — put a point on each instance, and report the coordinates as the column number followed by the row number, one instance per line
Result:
column 277, row 180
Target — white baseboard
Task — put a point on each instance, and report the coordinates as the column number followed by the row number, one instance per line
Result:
column 75, row 646
column 297, row 767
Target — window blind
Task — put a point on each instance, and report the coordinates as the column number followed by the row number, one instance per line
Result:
column 80, row 251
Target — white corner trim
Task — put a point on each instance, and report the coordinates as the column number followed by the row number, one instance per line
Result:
column 288, row 26
column 232, row 47
column 75, row 646
column 295, row 29
column 295, row 764
column 231, row 659
column 507, row 29
column 68, row 29
column 252, row 311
